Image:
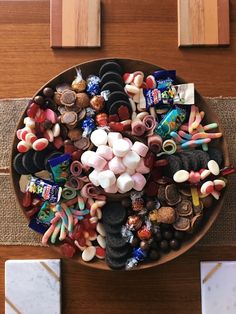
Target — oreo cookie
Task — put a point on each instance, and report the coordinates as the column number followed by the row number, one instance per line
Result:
column 110, row 66
column 174, row 164
column 203, row 158
column 217, row 155
column 185, row 162
column 18, row 165
column 116, row 263
column 27, row 161
column 113, row 213
column 111, row 76
column 115, row 241
column 112, row 86
column 112, row 228
column 116, row 96
column 116, row 253
column 40, row 156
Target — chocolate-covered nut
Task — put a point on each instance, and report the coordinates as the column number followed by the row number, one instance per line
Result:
column 154, row 255
column 74, row 108
column 82, row 100
column 82, row 114
column 164, row 245
column 198, row 209
column 184, row 208
column 48, row 92
column 154, row 245
column 182, row 224
column 78, row 86
column 163, row 214
column 174, row 244
column 144, row 245
column 69, row 118
column 74, row 134
column 68, row 98
column 167, row 235
column 61, row 109
column 161, row 194
column 172, row 195
column 39, row 100
column 196, row 220
column 126, row 202
column 97, row 103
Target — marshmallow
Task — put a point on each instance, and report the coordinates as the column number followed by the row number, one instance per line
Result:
column 93, row 177
column 106, row 179
column 130, row 171
column 97, row 162
column 124, row 183
column 139, row 181
column 86, row 156
column 140, row 148
column 99, row 137
column 112, row 189
column 120, row 148
column 112, row 137
column 128, row 141
column 142, row 168
column 131, row 160
column 116, row 165
column 105, row 152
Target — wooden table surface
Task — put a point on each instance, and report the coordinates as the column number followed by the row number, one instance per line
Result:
column 145, row 30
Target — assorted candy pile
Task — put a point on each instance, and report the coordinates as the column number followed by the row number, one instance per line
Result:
column 118, row 166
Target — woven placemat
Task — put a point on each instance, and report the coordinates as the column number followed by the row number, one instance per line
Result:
column 13, row 224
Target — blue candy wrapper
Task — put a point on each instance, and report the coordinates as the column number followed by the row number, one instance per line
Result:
column 93, row 85
column 60, row 168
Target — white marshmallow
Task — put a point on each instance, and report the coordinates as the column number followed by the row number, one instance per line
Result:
column 131, row 160
column 105, row 152
column 86, row 156
column 124, row 183
column 130, row 171
column 106, row 179
column 97, row 162
column 112, row 189
column 99, row 137
column 120, row 148
column 116, row 165
column 112, row 137
column 128, row 141
column 93, row 177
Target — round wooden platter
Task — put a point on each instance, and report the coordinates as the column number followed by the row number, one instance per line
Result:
column 131, row 65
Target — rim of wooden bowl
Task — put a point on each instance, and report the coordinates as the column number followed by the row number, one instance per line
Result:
column 131, row 65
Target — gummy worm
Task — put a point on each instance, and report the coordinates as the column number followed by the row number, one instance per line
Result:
column 62, row 232
column 195, row 196
column 56, row 232
column 194, row 143
column 177, row 137
column 185, row 135
column 192, row 117
column 210, row 126
column 61, row 211
column 81, row 202
column 206, row 135
column 47, row 234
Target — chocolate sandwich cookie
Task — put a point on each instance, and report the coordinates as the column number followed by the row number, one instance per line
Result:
column 110, row 66
column 111, row 76
column 116, row 263
column 174, row 164
column 115, row 241
column 112, row 86
column 18, row 165
column 117, row 253
column 113, row 213
column 217, row 155
column 116, row 96
column 194, row 162
column 27, row 161
column 185, row 161
column 172, row 195
column 51, row 156
column 40, row 156
column 112, row 228
column 203, row 158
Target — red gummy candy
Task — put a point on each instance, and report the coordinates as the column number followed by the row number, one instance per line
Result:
column 40, row 116
column 86, row 223
column 116, row 126
column 58, row 142
column 113, row 118
column 149, row 160
column 32, row 110
column 123, row 113
column 77, row 232
column 151, row 188
column 144, row 233
column 67, row 250
column 82, row 241
column 27, row 199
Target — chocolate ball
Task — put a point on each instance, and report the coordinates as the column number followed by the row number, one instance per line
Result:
column 39, row 100
column 167, row 235
column 158, row 237
column 154, row 255
column 126, row 202
column 164, row 245
column 48, row 92
column 174, row 244
column 154, row 245
column 179, row 235
column 144, row 245
column 150, row 205
column 47, row 124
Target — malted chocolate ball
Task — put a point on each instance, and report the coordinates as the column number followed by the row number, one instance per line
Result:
column 158, row 237
column 135, row 242
column 39, row 100
column 144, row 245
column 174, row 244
column 48, row 92
column 150, row 205
column 179, row 235
column 164, row 245
column 167, row 235
column 126, row 202
column 154, row 255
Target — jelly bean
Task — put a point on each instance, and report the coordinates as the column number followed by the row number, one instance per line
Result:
column 89, row 253
column 100, row 229
column 40, row 144
column 23, row 147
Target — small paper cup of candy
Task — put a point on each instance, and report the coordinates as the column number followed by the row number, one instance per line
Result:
column 119, row 164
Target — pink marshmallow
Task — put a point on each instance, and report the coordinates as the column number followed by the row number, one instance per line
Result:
column 112, row 189
column 130, row 171
column 139, row 181
column 116, row 165
column 105, row 152
column 97, row 162
column 142, row 168
column 140, row 148
column 128, row 141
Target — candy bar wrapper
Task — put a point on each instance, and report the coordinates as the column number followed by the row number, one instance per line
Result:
column 44, row 189
column 60, row 168
column 184, row 94
column 218, row 287
column 32, row 286
column 171, row 122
